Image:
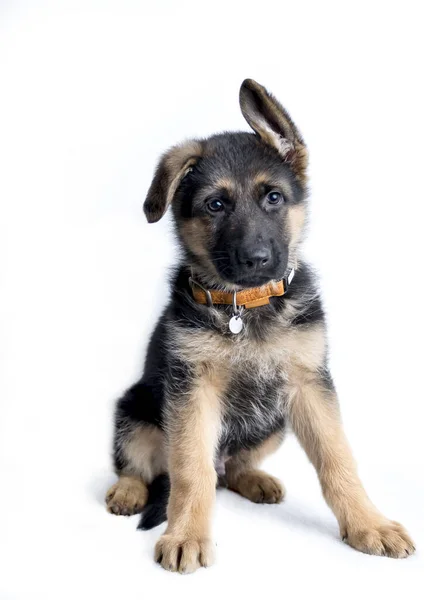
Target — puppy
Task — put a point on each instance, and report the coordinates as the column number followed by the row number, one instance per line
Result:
column 240, row 351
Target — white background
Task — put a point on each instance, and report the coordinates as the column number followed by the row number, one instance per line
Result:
column 91, row 94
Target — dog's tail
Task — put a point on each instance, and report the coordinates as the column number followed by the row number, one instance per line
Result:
column 154, row 513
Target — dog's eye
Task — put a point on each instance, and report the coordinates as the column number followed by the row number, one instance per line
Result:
column 215, row 206
column 275, row 198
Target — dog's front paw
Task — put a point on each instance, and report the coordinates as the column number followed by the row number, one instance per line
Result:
column 183, row 555
column 382, row 537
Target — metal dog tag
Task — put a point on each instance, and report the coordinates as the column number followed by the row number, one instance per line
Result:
column 235, row 324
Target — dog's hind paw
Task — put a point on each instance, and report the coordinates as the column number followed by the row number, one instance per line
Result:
column 127, row 496
column 259, row 487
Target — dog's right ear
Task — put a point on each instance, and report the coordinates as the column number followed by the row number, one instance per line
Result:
column 172, row 168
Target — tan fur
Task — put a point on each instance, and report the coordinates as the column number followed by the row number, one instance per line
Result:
column 178, row 155
column 193, row 437
column 306, row 345
column 315, row 419
column 260, row 178
column 145, row 451
column 260, row 124
column 301, row 162
column 296, row 220
column 196, row 235
column 197, row 232
column 178, row 161
column 224, row 183
column 292, row 356
column 243, row 476
column 267, row 178
column 314, row 415
column 177, row 177
column 127, row 497
column 169, row 174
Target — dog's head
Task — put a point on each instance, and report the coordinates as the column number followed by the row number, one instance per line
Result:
column 237, row 198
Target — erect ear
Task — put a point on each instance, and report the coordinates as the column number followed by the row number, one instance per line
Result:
column 172, row 168
column 274, row 126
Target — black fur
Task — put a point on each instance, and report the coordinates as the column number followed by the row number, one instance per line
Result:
column 207, row 394
column 239, row 171
column 248, row 395
column 154, row 512
column 234, row 235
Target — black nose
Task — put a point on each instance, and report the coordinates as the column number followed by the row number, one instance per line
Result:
column 255, row 258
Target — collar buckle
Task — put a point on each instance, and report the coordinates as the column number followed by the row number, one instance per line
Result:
column 207, row 293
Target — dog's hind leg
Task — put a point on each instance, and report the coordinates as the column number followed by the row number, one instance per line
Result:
column 139, row 459
column 244, row 477
column 127, row 496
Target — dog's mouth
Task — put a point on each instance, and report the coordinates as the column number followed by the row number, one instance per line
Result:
column 250, row 277
column 255, row 281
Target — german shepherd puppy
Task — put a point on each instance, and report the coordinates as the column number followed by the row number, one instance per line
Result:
column 240, row 351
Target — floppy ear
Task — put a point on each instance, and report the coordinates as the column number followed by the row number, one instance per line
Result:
column 172, row 168
column 274, row 126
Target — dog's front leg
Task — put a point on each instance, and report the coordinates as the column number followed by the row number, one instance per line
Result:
column 315, row 419
column 193, row 430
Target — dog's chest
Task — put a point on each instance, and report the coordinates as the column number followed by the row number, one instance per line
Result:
column 254, row 377
column 253, row 406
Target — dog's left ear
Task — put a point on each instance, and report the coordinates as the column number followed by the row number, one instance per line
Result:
column 171, row 170
column 274, row 126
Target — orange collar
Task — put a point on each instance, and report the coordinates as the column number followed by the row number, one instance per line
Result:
column 249, row 298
